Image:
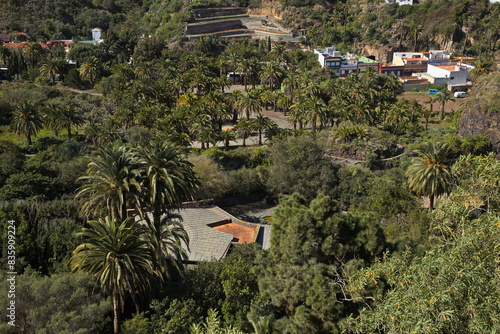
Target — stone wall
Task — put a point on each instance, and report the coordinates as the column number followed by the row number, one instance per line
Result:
column 208, row 28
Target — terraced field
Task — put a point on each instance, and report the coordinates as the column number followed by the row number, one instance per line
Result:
column 236, row 23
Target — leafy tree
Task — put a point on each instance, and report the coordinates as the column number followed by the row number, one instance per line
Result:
column 429, row 174
column 213, row 179
column 61, row 303
column 26, row 120
column 312, row 249
column 174, row 316
column 117, row 256
column 449, row 289
column 298, row 164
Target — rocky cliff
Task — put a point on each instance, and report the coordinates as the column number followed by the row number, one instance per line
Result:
column 482, row 114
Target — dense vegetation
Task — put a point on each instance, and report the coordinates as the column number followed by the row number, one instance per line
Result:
column 385, row 219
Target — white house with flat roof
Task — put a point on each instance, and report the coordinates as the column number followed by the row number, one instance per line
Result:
column 400, row 2
column 398, row 58
column 329, row 57
column 440, row 57
column 452, row 75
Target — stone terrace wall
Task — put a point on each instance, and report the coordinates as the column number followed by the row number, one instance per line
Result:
column 213, row 27
column 212, row 12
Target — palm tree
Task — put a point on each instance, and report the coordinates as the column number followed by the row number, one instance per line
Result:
column 244, row 128
column 51, row 113
column 426, row 114
column 250, row 103
column 26, row 120
column 89, row 70
column 415, row 30
column 271, row 73
column 317, row 110
column 444, row 96
column 226, row 136
column 33, row 52
column 111, row 182
column 429, row 173
column 283, row 102
column 279, row 53
column 118, row 257
column 397, row 117
column 299, row 111
column 52, row 68
column 69, row 117
column 261, row 123
column 168, row 180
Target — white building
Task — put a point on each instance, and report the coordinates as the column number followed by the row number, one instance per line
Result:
column 329, row 57
column 440, row 57
column 401, row 2
column 398, row 58
column 452, row 75
column 324, row 54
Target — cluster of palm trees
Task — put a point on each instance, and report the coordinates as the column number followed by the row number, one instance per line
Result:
column 28, row 119
column 132, row 258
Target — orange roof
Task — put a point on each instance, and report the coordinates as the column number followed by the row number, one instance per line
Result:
column 15, row 46
column 448, row 67
column 97, row 28
column 415, row 59
column 241, row 233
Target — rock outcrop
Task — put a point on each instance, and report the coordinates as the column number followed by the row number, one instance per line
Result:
column 476, row 122
column 482, row 114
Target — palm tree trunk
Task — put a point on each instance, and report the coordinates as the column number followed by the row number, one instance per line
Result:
column 431, row 202
column 69, row 132
column 28, row 137
column 116, row 314
column 260, row 137
column 442, row 111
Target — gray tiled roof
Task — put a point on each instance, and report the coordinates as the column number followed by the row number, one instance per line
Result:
column 205, row 243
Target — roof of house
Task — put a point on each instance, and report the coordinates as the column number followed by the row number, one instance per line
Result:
column 414, row 59
column 448, row 67
column 212, row 230
column 15, row 46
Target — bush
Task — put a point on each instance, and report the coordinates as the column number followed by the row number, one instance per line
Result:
column 43, row 81
column 245, row 181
